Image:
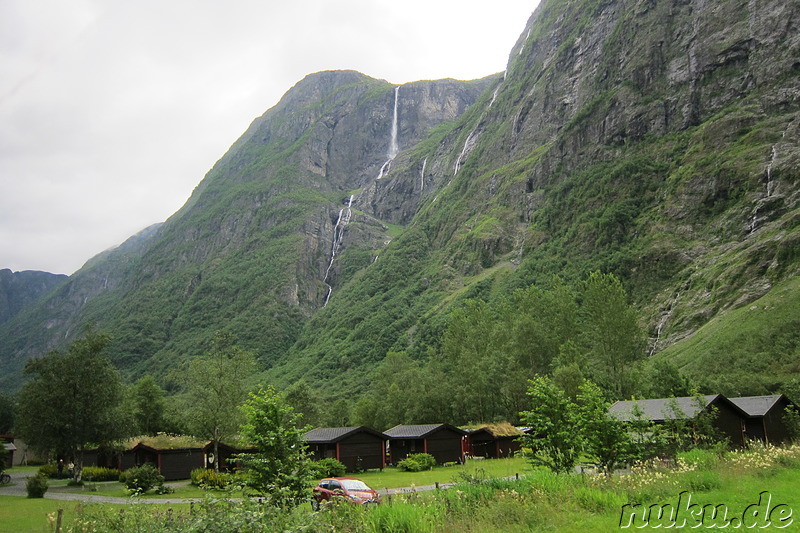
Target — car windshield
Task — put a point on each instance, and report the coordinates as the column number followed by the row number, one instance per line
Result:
column 354, row 484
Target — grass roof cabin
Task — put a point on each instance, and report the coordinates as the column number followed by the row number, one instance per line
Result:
column 494, row 441
column 729, row 421
column 765, row 420
column 358, row 448
column 446, row 443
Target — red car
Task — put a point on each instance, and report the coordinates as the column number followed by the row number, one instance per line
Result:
column 343, row 488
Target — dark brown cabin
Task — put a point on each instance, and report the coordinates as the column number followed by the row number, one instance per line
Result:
column 444, row 442
column 493, row 442
column 729, row 421
column 764, row 420
column 172, row 463
column 358, row 448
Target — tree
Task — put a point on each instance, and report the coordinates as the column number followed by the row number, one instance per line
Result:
column 613, row 335
column 606, row 439
column 281, row 469
column 7, row 413
column 304, row 401
column 149, row 405
column 554, row 436
column 216, row 387
column 72, row 400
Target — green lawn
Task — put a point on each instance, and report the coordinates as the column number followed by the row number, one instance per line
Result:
column 391, row 477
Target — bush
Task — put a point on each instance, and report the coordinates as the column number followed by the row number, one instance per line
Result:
column 140, row 479
column 211, row 479
column 36, row 486
column 48, row 470
column 417, row 462
column 99, row 473
column 329, row 468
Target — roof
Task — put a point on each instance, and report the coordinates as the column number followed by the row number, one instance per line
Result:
column 419, row 431
column 498, row 430
column 321, row 435
column 165, row 442
column 758, row 405
column 661, row 409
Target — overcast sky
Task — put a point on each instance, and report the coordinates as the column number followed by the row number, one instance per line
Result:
column 111, row 111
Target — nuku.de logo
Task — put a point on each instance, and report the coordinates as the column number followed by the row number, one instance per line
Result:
column 685, row 514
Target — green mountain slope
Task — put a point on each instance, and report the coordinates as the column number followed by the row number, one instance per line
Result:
column 657, row 141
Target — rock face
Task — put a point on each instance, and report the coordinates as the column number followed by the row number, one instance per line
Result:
column 655, row 140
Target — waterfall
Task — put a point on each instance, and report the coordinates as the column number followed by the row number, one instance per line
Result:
column 527, row 36
column 770, row 187
column 422, row 175
column 665, row 316
column 463, row 152
column 494, row 94
column 394, row 147
column 770, row 182
column 338, row 233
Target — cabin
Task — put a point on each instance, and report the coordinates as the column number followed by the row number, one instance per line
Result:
column 446, row 443
column 494, row 441
column 7, row 442
column 764, row 420
column 358, row 448
column 174, row 456
column 729, row 421
column 172, row 463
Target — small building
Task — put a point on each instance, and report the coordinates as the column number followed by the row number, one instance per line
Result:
column 494, row 441
column 729, row 421
column 172, row 463
column 7, row 442
column 764, row 420
column 358, row 448
column 446, row 443
column 174, row 456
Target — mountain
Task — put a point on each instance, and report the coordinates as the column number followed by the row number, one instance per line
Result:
column 21, row 289
column 654, row 140
column 251, row 251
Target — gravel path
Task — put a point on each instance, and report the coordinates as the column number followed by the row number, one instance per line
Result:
column 17, row 488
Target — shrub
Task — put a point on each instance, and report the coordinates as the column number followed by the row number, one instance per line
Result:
column 48, row 470
column 417, row 462
column 99, row 473
column 140, row 479
column 211, row 479
column 36, row 486
column 329, row 468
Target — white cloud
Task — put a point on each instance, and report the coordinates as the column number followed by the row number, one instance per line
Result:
column 112, row 111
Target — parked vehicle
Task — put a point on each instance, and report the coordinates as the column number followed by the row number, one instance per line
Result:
column 343, row 489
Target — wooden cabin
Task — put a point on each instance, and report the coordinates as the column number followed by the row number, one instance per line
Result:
column 729, row 421
column 764, row 420
column 446, row 443
column 494, row 441
column 358, row 448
